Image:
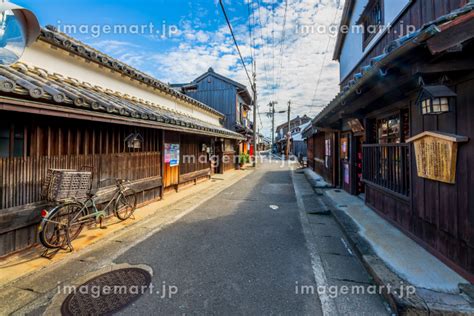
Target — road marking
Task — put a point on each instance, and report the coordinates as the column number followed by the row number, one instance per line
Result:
column 328, row 305
column 274, row 207
column 347, row 246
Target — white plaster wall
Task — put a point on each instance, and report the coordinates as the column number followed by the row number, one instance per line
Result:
column 352, row 51
column 55, row 60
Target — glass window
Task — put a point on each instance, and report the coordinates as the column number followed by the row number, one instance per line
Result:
column 18, row 141
column 388, row 130
column 11, row 146
column 372, row 20
column 4, row 140
column 444, row 104
column 436, row 105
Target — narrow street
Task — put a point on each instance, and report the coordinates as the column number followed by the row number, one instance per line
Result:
column 129, row 134
column 245, row 252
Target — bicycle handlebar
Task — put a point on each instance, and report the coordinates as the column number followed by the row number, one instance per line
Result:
column 117, row 181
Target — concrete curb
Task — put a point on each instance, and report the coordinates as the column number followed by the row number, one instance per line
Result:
column 423, row 302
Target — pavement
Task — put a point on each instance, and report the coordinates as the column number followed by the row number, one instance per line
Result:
column 28, row 282
column 395, row 260
column 249, row 243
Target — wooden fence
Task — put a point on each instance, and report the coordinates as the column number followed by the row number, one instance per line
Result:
column 21, row 178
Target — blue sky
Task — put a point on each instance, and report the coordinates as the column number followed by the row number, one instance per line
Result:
column 196, row 38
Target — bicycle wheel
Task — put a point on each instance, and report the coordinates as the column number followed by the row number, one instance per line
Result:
column 53, row 228
column 126, row 204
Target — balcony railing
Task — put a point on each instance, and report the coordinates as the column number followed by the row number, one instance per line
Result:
column 387, row 166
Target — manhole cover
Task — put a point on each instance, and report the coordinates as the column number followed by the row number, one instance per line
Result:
column 107, row 293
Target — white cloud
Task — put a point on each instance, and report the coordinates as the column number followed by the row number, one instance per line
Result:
column 288, row 72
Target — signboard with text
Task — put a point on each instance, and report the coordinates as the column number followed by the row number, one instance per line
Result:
column 436, row 155
column 172, row 154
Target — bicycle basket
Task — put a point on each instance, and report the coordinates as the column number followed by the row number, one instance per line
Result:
column 62, row 184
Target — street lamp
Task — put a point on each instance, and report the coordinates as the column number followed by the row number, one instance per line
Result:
column 436, row 99
column 19, row 28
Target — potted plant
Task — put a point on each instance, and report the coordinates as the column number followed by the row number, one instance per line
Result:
column 243, row 159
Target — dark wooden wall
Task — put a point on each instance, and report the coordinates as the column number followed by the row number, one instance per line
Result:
column 419, row 13
column 68, row 144
column 319, row 165
column 319, row 156
column 439, row 215
column 219, row 95
column 71, row 144
column 310, row 151
column 444, row 213
column 191, row 145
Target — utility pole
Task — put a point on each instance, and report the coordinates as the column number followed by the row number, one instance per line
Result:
column 288, row 135
column 272, row 104
column 255, row 109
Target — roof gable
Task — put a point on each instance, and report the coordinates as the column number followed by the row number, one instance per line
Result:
column 241, row 89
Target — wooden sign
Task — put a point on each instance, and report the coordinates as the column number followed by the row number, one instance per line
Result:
column 436, row 155
column 355, row 125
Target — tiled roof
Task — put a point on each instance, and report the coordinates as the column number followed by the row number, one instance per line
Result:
column 23, row 82
column 393, row 50
column 56, row 38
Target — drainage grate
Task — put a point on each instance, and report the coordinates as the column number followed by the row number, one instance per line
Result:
column 107, row 293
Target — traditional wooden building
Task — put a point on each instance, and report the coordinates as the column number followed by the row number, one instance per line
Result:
column 282, row 131
column 66, row 105
column 226, row 96
column 401, row 128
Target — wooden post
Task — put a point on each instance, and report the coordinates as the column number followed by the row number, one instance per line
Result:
column 162, row 164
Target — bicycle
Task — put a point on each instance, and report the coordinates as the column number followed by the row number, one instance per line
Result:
column 64, row 222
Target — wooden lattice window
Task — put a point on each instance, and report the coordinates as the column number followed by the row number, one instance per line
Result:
column 12, row 140
column 372, row 20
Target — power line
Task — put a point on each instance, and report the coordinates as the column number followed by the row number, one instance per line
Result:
column 265, row 61
column 273, row 52
column 282, row 41
column 236, row 45
column 324, row 60
column 251, row 39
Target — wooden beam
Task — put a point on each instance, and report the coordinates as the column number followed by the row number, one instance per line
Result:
column 10, row 104
column 444, row 66
column 452, row 34
column 106, row 194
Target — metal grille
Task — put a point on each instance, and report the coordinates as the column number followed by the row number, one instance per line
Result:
column 387, row 166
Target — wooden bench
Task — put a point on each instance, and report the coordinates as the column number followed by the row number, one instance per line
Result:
column 193, row 176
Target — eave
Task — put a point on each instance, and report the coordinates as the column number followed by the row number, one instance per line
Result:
column 394, row 51
column 52, row 36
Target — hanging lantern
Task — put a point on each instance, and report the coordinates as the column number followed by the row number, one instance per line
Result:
column 134, row 141
column 436, row 99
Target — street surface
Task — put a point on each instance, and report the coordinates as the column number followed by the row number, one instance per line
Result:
column 252, row 250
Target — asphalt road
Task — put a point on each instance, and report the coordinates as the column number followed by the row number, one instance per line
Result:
column 242, row 252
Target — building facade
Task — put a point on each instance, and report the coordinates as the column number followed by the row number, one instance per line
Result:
column 296, row 126
column 400, row 131
column 66, row 105
column 226, row 96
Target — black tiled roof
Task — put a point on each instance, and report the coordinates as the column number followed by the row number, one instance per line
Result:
column 23, row 82
column 393, row 49
column 51, row 35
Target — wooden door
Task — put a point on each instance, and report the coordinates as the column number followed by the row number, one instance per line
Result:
column 170, row 169
column 358, row 160
column 345, row 158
